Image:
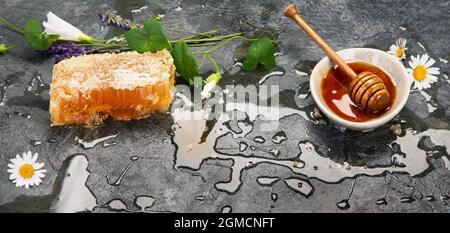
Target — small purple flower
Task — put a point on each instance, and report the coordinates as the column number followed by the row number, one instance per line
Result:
column 111, row 18
column 63, row 51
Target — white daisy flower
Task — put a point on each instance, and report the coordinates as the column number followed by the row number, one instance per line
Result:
column 398, row 49
column 421, row 73
column 26, row 171
column 65, row 30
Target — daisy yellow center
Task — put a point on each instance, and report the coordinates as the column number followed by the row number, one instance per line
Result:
column 26, row 171
column 400, row 52
column 420, row 72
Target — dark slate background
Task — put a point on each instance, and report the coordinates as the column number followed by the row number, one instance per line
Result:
column 152, row 181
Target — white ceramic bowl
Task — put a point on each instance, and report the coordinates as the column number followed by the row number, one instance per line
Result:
column 381, row 59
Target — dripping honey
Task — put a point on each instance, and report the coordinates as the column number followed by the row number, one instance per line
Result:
column 335, row 93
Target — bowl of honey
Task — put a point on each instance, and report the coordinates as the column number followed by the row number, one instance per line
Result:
column 329, row 88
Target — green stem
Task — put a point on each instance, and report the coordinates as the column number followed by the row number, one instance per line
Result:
column 204, row 34
column 103, row 45
column 10, row 47
column 214, row 63
column 191, row 42
column 135, row 25
column 11, row 26
column 203, row 61
column 125, row 45
column 178, row 30
column 202, row 45
column 223, row 44
column 217, row 38
column 109, row 49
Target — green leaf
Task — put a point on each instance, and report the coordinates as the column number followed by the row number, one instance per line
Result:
column 261, row 51
column 250, row 64
column 150, row 38
column 185, row 63
column 51, row 38
column 35, row 38
column 137, row 41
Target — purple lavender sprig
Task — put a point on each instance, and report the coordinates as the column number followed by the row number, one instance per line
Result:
column 111, row 18
column 63, row 51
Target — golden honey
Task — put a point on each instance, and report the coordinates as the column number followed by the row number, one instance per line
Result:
column 89, row 89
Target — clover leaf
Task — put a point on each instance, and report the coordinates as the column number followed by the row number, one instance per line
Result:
column 149, row 38
column 260, row 51
column 185, row 63
column 35, row 38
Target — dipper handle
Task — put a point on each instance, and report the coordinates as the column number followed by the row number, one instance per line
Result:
column 291, row 12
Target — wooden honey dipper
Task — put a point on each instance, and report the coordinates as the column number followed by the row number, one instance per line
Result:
column 366, row 89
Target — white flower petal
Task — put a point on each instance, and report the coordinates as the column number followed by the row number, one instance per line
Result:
column 433, row 70
column 63, row 33
column 34, row 158
column 20, row 181
column 40, row 175
column 27, row 158
column 11, row 165
column 429, row 63
column 19, row 159
column 415, row 61
column 12, row 176
column 49, row 29
column 420, row 86
column 56, row 21
column 13, row 161
column 426, row 85
column 12, row 170
column 419, row 58
column 393, row 48
column 37, row 180
column 417, row 85
column 431, row 78
column 37, row 166
column 424, row 59
column 65, row 30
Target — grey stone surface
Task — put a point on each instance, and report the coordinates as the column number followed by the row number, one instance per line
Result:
column 146, row 166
